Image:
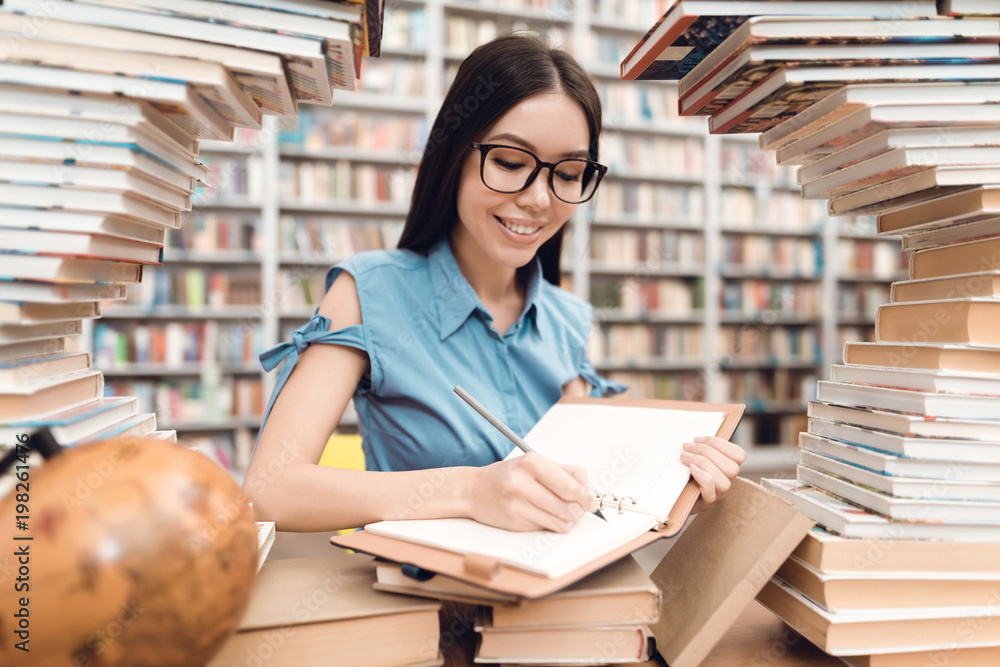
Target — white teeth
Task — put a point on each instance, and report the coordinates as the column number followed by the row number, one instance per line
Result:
column 519, row 229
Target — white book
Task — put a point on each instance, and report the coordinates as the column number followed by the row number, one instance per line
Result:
column 122, row 204
column 957, row 233
column 69, row 426
column 100, row 179
column 791, row 90
column 904, row 400
column 133, row 426
column 867, row 121
column 949, row 382
column 862, row 632
column 753, row 64
column 210, row 80
column 903, row 466
column 304, row 57
column 15, row 312
column 905, row 509
column 894, row 164
column 905, row 424
column 85, row 223
column 628, row 451
column 337, row 37
column 107, row 115
column 939, row 449
column 913, row 189
column 32, row 348
column 19, row 333
column 129, row 157
column 930, row 139
column 49, row 292
column 260, row 74
column 180, row 103
column 83, row 140
column 69, row 270
column 914, row 488
column 855, row 97
column 31, row 241
column 45, row 366
column 844, row 518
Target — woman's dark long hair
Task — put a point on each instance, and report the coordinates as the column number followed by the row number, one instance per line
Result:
column 494, row 78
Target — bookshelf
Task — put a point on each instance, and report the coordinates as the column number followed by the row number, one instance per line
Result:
column 711, row 278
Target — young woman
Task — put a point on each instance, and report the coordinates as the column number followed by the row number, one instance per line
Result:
column 470, row 298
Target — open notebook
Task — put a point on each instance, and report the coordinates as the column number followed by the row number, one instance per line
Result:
column 631, row 450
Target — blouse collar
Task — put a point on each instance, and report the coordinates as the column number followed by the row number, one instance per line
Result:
column 455, row 298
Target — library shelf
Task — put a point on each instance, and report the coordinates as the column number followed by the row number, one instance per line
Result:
column 177, row 312
column 173, row 256
column 647, row 269
column 769, row 231
column 609, row 317
column 648, row 128
column 351, row 154
column 212, row 425
column 557, row 16
column 758, row 406
column 755, row 364
column 646, row 364
column 654, row 224
column 376, row 102
column 736, row 272
column 769, row 318
column 855, row 321
column 633, row 174
column 601, row 33
column 194, row 369
column 872, row 277
column 346, row 207
column 227, row 204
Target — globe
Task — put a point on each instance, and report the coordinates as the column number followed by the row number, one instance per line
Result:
column 123, row 552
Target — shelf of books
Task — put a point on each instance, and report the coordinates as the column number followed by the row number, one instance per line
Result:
column 704, row 264
column 702, row 261
column 897, row 460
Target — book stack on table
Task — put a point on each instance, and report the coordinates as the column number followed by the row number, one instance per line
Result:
column 102, row 108
column 602, row 619
column 894, row 116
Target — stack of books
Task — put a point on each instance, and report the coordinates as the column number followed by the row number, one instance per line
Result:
column 102, row 107
column 322, row 610
column 894, row 116
column 602, row 619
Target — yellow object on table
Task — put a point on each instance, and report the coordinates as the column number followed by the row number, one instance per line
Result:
column 343, row 450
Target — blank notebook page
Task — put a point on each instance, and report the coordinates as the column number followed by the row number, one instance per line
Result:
column 626, row 450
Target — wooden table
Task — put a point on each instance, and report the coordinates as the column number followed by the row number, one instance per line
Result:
column 758, row 637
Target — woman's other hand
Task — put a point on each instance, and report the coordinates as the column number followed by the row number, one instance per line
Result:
column 714, row 464
column 531, row 492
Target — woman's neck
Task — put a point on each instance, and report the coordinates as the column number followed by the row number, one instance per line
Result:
column 493, row 284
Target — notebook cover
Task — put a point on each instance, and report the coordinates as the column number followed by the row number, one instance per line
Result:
column 490, row 573
column 717, row 567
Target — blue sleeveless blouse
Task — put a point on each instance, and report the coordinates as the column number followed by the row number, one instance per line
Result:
column 425, row 331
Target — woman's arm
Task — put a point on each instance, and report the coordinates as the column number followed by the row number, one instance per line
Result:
column 288, row 486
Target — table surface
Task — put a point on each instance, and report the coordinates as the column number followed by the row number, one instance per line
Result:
column 757, row 637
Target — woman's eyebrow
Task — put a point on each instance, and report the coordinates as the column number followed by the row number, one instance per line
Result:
column 523, row 143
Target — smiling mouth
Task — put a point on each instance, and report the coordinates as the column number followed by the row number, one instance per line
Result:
column 519, row 229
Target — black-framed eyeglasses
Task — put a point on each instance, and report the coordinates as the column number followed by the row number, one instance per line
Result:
column 509, row 169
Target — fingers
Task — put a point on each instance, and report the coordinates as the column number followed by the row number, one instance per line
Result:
column 711, row 452
column 714, row 463
column 558, row 493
